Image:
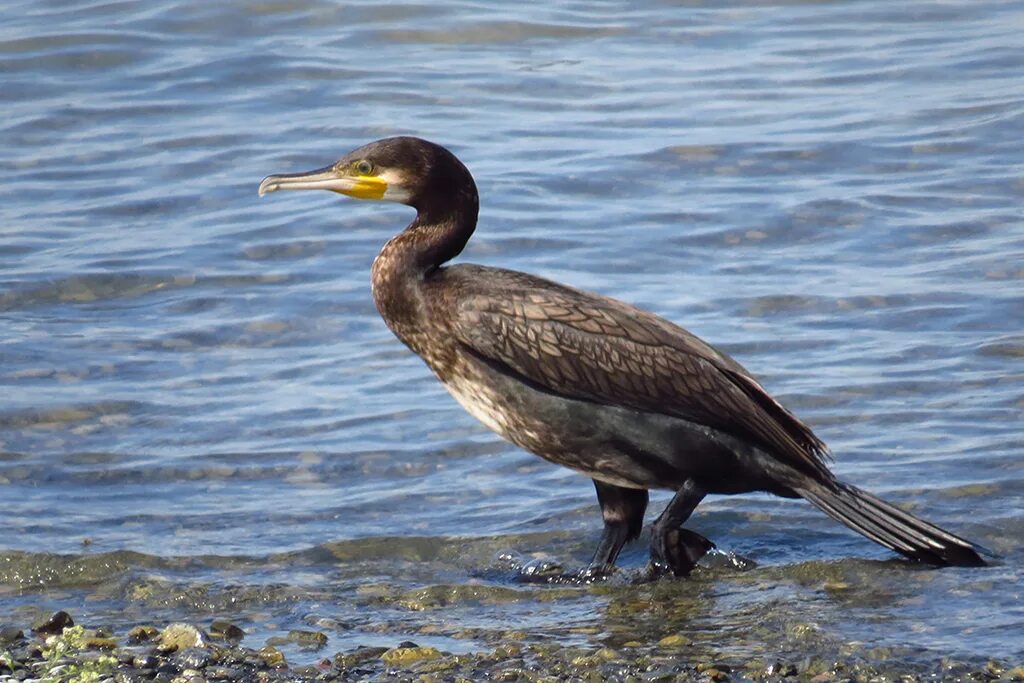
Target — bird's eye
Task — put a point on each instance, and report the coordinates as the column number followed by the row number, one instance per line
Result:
column 364, row 167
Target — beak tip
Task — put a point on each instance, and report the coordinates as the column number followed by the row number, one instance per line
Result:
column 268, row 184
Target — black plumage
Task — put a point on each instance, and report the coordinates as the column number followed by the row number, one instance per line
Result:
column 617, row 393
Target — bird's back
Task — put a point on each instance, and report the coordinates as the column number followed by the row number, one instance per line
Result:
column 589, row 347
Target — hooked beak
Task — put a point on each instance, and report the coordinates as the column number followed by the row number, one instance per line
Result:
column 327, row 178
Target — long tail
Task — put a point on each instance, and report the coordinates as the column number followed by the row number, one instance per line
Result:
column 886, row 524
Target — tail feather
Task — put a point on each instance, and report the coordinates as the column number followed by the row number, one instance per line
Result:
column 837, row 509
column 892, row 527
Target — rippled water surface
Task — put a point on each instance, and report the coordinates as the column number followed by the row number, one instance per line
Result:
column 203, row 415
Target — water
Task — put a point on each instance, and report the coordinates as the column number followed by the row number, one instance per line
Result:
column 203, row 416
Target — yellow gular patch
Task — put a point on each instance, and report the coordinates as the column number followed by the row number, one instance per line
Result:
column 365, row 187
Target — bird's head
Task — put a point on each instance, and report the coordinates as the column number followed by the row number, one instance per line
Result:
column 407, row 170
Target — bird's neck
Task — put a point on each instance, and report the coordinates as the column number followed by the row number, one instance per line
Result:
column 411, row 257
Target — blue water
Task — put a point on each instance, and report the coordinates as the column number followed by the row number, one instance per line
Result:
column 199, row 398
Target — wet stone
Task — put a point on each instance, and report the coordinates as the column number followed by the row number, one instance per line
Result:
column 326, row 623
column 222, row 673
column 10, row 634
column 781, row 669
column 222, row 628
column 53, row 624
column 181, row 636
column 190, row 676
column 192, row 658
column 673, row 641
column 360, row 655
column 659, row 675
column 141, row 634
column 145, row 662
column 407, row 655
column 507, row 651
column 272, row 657
column 167, row 668
column 308, row 639
column 99, row 642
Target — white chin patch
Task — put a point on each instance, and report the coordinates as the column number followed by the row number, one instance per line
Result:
column 396, row 191
column 396, row 194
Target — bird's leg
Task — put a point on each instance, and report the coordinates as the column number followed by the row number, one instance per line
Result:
column 623, row 512
column 674, row 549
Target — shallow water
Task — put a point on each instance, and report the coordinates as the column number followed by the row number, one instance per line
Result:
column 204, row 416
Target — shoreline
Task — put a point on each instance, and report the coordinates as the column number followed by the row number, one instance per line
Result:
column 55, row 649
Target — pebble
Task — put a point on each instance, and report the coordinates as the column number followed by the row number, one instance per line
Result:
column 408, row 655
column 192, row 658
column 272, row 657
column 145, row 662
column 141, row 634
column 677, row 640
column 308, row 639
column 9, row 634
column 222, row 628
column 181, row 636
column 53, row 624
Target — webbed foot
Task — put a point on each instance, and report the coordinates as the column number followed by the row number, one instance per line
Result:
column 677, row 551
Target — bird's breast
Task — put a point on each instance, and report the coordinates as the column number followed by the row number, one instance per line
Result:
column 482, row 402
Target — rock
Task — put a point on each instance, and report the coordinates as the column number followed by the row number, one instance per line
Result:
column 715, row 671
column 507, row 651
column 222, row 628
column 181, row 636
column 223, row 673
column 361, row 654
column 99, row 643
column 662, row 674
column 308, row 639
column 408, row 655
column 192, row 658
column 145, row 662
column 676, row 640
column 141, row 634
column 10, row 634
column 190, row 676
column 277, row 641
column 53, row 624
column 782, row 669
column 327, row 623
column 1014, row 674
column 273, row 657
column 167, row 668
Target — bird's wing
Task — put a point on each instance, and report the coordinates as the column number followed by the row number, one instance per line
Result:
column 589, row 347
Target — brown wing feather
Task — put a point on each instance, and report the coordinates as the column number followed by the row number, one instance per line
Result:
column 585, row 346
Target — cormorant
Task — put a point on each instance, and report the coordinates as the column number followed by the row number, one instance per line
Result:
column 627, row 398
